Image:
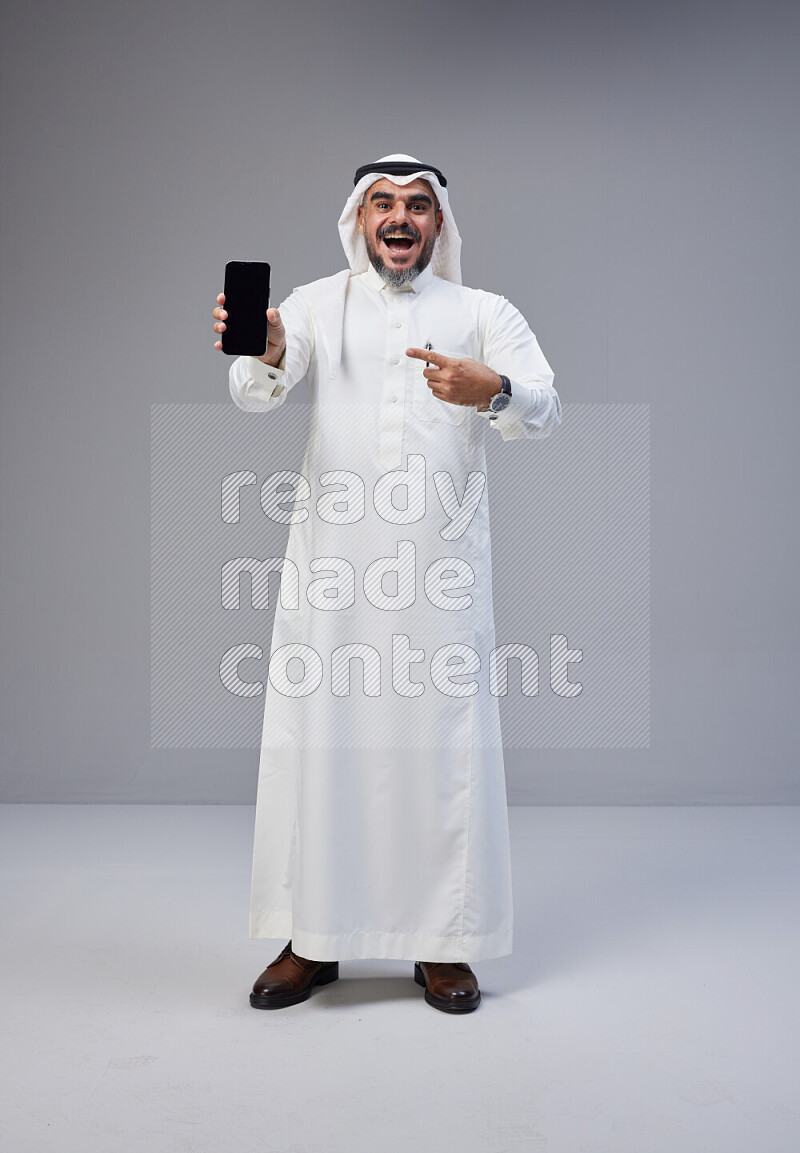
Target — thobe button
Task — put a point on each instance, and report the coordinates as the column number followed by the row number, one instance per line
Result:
column 398, row 324
column 394, row 400
column 395, row 360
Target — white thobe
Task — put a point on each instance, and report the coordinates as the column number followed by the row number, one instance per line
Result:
column 381, row 821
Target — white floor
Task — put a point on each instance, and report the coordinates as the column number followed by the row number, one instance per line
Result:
column 650, row 1005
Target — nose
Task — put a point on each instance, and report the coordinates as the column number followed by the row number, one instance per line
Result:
column 399, row 215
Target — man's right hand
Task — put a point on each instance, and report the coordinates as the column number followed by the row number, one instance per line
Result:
column 276, row 334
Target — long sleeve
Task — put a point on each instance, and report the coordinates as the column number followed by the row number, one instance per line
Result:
column 512, row 349
column 258, row 387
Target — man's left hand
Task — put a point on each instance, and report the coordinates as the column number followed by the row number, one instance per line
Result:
column 458, row 379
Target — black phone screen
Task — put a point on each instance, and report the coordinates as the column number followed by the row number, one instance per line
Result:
column 246, row 303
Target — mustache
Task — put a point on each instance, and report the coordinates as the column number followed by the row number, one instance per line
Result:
column 399, row 230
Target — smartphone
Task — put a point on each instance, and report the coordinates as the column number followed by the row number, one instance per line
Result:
column 246, row 303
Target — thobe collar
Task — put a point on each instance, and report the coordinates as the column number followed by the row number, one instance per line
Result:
column 417, row 285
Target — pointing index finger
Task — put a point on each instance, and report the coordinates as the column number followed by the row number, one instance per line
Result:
column 427, row 354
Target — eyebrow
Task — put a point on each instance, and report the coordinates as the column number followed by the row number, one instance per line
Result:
column 423, row 196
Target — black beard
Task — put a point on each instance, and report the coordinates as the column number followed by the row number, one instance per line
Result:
column 399, row 277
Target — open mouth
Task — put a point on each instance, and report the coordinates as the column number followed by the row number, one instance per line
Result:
column 398, row 244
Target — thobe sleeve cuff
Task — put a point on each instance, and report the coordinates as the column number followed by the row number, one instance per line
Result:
column 531, row 412
column 256, row 386
column 516, row 407
column 266, row 375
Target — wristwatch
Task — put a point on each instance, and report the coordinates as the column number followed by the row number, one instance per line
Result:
column 500, row 400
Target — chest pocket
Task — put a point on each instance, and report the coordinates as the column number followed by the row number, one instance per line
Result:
column 457, row 339
column 428, row 407
column 452, row 328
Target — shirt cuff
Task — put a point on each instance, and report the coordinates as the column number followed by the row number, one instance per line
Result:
column 266, row 375
column 521, row 398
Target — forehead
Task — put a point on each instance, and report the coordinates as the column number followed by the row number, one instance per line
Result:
column 400, row 191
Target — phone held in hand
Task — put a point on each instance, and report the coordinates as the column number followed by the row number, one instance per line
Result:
column 246, row 303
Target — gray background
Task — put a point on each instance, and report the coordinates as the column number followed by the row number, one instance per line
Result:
column 625, row 173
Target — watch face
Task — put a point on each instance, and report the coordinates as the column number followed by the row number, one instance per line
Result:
column 499, row 402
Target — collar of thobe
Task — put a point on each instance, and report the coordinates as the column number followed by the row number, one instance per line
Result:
column 417, row 285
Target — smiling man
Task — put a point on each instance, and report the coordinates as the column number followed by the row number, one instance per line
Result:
column 381, row 821
column 400, row 224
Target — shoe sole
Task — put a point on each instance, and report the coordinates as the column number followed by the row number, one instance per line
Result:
column 443, row 1003
column 282, row 1000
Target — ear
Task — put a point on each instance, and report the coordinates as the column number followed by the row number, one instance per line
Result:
column 361, row 219
column 439, row 221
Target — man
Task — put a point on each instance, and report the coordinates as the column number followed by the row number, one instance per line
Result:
column 381, row 819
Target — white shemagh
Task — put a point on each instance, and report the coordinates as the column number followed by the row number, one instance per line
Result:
column 446, row 260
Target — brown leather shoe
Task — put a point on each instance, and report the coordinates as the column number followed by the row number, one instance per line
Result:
column 290, row 979
column 453, row 988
